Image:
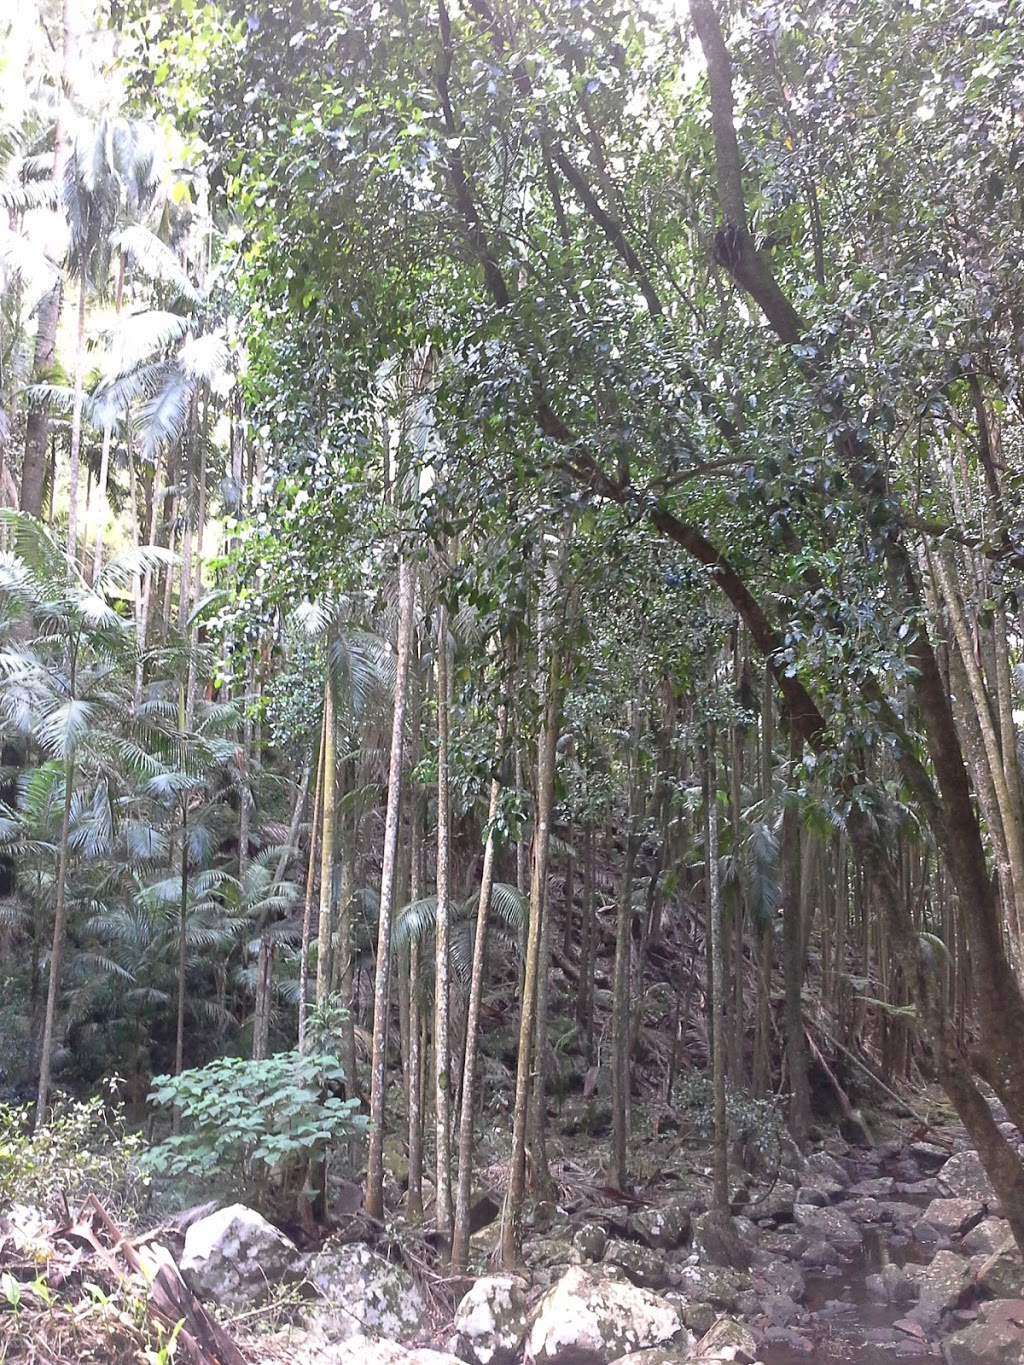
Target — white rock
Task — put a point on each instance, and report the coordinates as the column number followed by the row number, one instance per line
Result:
column 360, row 1292
column 234, row 1257
column 490, row 1322
column 589, row 1319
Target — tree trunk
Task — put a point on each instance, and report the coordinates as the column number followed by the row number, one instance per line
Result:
column 793, row 957
column 442, row 1039
column 56, row 953
column 374, row 1200
column 460, row 1236
column 74, row 470
column 323, row 948
column 720, row 1189
column 307, row 904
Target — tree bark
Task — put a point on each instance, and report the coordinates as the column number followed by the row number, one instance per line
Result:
column 374, row 1200
column 442, row 1038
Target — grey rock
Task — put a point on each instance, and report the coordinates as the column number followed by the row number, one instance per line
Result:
column 829, row 1225
column 941, row 1284
column 928, row 1156
column 235, row 1258
column 490, row 1322
column 988, row 1236
column 662, row 1229
column 590, row 1240
column 881, row 1187
column 587, row 1318
column 362, row 1293
column 775, row 1206
column 963, row 1177
column 1000, row 1274
column 953, row 1217
column 727, row 1340
column 716, row 1239
column 640, row 1265
column 827, row 1165
column 997, row 1341
column 550, row 1253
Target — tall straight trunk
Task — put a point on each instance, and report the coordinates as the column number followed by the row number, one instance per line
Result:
column 793, row 958
column 342, row 967
column 307, row 904
column 442, row 1038
column 57, row 951
column 146, row 595
column 720, row 1189
column 74, row 470
column 620, row 1012
column 36, row 461
column 414, row 1089
column 101, row 488
column 248, row 751
column 323, row 940
column 512, row 1212
column 374, row 1200
column 460, row 1235
column 179, row 1037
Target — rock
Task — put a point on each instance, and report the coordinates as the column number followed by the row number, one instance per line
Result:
column 717, row 1241
column 996, row 1341
column 656, row 1355
column 662, row 1229
column 490, row 1322
column 590, row 1240
column 829, row 1225
column 963, row 1177
column 706, row 1284
column 361, row 1350
column 589, row 1319
column 988, row 1236
column 235, row 1258
column 893, row 1285
column 929, row 1156
column 811, row 1194
column 819, row 1255
column 361, row 1292
column 640, row 1265
column 941, row 1283
column 1000, row 1275
column 775, row 1206
column 550, row 1253
column 699, row 1317
column 881, row 1187
column 826, row 1165
column 727, row 1340
column 953, row 1217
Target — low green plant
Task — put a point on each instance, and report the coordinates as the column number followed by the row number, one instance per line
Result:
column 257, row 1124
column 84, row 1148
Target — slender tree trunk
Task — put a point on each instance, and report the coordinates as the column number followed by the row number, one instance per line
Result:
column 74, row 471
column 720, row 1192
column 793, row 959
column 512, row 1213
column 414, row 1088
column 442, row 1039
column 307, row 904
column 460, row 1237
column 323, row 949
column 378, row 1061
column 57, row 951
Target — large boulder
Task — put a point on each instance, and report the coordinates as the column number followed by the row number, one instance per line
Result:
column 490, row 1322
column 361, row 1292
column 1000, row 1275
column 997, row 1338
column 361, row 1350
column 941, row 1282
column 963, row 1177
column 716, row 1240
column 235, row 1258
column 952, row 1217
column 988, row 1236
column 589, row 1319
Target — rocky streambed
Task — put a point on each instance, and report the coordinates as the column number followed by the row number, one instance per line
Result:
column 872, row 1256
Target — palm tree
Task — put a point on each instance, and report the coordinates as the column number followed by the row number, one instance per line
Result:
column 64, row 686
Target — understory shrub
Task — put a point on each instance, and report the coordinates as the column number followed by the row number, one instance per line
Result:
column 257, row 1124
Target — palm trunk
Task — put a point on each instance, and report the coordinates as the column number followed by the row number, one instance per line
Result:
column 59, row 928
column 76, row 422
column 374, row 1200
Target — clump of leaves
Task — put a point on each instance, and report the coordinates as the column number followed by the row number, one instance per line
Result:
column 257, row 1124
column 85, row 1148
